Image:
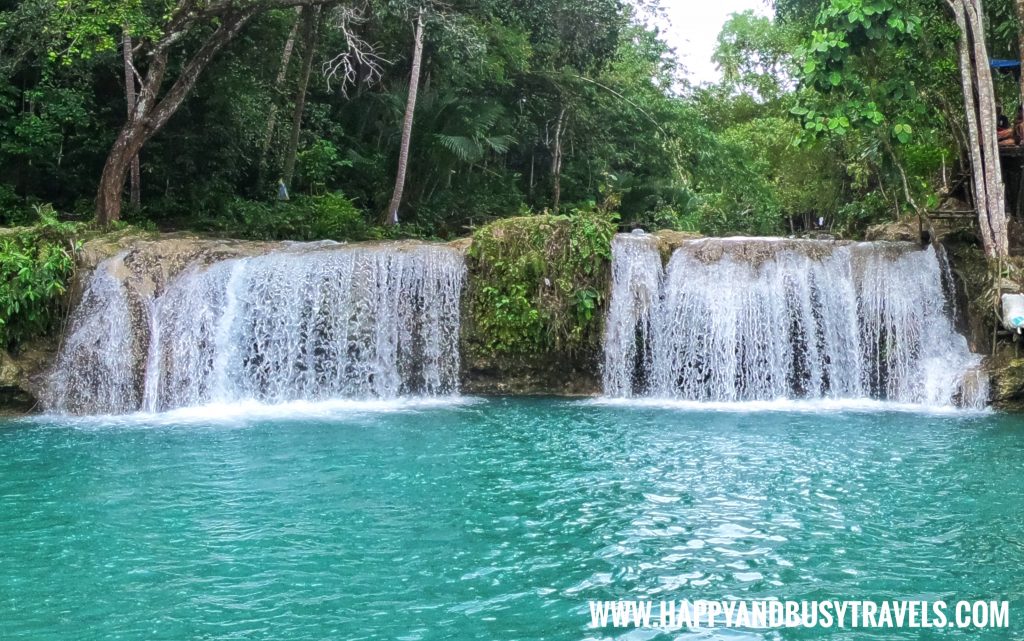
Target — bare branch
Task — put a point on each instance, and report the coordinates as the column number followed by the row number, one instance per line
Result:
column 360, row 59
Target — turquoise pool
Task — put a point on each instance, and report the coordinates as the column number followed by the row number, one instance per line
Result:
column 496, row 519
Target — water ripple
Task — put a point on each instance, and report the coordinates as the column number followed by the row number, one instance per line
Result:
column 493, row 520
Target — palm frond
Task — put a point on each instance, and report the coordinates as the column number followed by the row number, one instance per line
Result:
column 464, row 148
column 499, row 144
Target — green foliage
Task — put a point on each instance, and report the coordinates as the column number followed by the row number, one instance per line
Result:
column 12, row 209
column 540, row 282
column 878, row 81
column 668, row 217
column 869, row 87
column 85, row 28
column 319, row 164
column 860, row 214
column 755, row 55
column 36, row 266
column 330, row 216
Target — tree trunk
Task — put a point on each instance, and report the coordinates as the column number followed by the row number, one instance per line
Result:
column 973, row 135
column 151, row 111
column 533, row 160
column 556, row 162
column 282, row 75
column 151, row 115
column 1019, row 6
column 980, row 110
column 119, row 161
column 310, row 30
column 988, row 125
column 903, row 178
column 410, row 109
column 130, row 99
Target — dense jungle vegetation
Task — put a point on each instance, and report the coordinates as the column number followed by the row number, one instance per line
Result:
column 847, row 110
column 389, row 118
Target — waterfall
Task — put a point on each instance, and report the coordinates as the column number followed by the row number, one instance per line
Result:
column 744, row 319
column 98, row 364
column 303, row 323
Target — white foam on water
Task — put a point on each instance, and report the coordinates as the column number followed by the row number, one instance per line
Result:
column 788, row 406
column 250, row 411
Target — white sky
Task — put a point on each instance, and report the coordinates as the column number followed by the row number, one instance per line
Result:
column 693, row 29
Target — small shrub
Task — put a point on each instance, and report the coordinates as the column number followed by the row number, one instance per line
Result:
column 330, row 216
column 12, row 208
column 36, row 266
column 478, row 199
column 667, row 217
column 335, row 217
column 860, row 214
column 319, row 163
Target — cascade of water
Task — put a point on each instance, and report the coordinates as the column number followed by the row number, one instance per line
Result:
column 758, row 319
column 636, row 277
column 98, row 363
column 301, row 324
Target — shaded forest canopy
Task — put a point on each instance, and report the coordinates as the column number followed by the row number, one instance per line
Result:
column 848, row 112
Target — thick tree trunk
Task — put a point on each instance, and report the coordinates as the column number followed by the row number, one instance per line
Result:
column 119, row 161
column 151, row 115
column 556, row 162
column 310, row 30
column 974, row 148
column 282, row 75
column 988, row 125
column 130, row 100
column 980, row 111
column 973, row 134
column 152, row 111
column 1019, row 6
column 410, row 109
column 131, row 137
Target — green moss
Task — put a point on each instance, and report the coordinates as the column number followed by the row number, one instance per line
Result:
column 539, row 282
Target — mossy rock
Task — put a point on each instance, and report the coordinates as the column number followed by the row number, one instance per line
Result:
column 670, row 240
column 534, row 310
column 1007, row 385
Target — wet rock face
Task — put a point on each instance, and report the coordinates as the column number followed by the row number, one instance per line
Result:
column 117, row 279
column 1008, row 385
column 757, row 251
column 23, row 375
column 148, row 265
column 902, row 231
column 957, row 230
column 15, row 395
column 977, row 316
column 545, row 375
